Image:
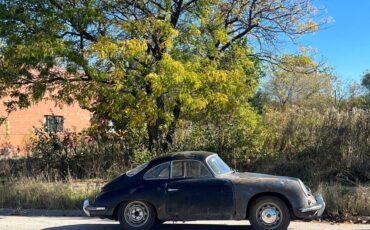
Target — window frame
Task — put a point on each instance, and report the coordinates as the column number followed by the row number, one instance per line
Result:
column 169, row 171
column 186, row 172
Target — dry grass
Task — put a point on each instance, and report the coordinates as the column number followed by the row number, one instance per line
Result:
column 32, row 194
column 343, row 201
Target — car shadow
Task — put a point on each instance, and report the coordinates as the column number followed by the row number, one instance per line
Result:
column 159, row 227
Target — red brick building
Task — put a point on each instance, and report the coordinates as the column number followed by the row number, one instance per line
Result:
column 19, row 126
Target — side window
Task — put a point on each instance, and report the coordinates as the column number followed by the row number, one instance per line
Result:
column 189, row 168
column 178, row 169
column 158, row 172
column 197, row 169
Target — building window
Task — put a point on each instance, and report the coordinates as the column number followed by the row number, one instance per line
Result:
column 54, row 124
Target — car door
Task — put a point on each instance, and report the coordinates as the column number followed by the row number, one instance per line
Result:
column 154, row 187
column 193, row 193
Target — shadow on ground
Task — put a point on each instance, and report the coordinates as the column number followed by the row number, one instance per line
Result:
column 159, row 227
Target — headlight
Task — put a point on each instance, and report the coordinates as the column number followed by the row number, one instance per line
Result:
column 304, row 188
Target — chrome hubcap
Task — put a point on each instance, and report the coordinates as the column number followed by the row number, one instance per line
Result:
column 269, row 215
column 136, row 214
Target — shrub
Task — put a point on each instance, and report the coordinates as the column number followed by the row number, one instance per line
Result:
column 68, row 155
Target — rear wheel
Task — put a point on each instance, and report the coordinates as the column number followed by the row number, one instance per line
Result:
column 136, row 215
column 269, row 213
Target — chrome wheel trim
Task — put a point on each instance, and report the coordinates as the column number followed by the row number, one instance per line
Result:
column 136, row 214
column 269, row 215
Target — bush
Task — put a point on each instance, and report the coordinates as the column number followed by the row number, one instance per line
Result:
column 68, row 155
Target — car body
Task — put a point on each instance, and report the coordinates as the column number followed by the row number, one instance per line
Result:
column 198, row 185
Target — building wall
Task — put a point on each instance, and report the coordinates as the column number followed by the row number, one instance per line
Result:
column 20, row 124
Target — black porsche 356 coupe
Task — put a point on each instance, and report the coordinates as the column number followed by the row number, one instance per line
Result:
column 188, row 186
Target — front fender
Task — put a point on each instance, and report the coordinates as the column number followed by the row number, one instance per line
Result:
column 246, row 192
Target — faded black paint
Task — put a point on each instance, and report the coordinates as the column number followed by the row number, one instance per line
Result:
column 224, row 197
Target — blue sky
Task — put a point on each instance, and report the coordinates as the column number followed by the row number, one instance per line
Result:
column 345, row 43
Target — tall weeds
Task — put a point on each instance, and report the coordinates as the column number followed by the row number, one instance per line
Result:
column 330, row 146
column 342, row 201
column 34, row 194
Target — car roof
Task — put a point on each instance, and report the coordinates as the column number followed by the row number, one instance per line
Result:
column 185, row 155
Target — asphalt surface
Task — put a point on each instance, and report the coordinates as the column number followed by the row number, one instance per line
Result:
column 84, row 223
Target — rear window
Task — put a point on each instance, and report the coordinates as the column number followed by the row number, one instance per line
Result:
column 136, row 170
column 161, row 171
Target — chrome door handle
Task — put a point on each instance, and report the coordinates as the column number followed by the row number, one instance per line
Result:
column 172, row 190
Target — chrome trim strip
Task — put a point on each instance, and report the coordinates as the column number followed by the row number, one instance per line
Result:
column 95, row 208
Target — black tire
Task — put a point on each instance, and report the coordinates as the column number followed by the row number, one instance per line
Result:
column 136, row 215
column 269, row 213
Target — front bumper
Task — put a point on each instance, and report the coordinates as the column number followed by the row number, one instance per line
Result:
column 315, row 210
column 92, row 210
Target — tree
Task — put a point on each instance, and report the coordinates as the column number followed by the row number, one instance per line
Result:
column 144, row 64
column 366, row 81
column 300, row 82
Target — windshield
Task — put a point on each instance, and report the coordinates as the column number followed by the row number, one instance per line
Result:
column 217, row 165
column 136, row 170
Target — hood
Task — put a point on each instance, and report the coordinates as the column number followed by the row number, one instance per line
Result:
column 257, row 177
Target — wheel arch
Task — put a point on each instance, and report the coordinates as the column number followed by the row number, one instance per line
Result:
column 274, row 194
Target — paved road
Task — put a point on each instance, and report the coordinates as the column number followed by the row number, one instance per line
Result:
column 83, row 223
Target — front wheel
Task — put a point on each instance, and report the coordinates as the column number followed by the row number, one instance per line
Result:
column 136, row 215
column 269, row 213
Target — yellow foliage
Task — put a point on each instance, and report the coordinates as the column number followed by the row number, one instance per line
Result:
column 217, row 76
column 155, row 79
column 199, row 104
column 133, row 47
column 194, row 31
column 221, row 99
column 106, row 48
column 221, row 36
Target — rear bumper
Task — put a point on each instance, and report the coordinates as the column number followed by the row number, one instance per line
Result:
column 91, row 210
column 315, row 210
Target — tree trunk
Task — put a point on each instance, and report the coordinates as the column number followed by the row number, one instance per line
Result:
column 171, row 131
column 156, row 141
